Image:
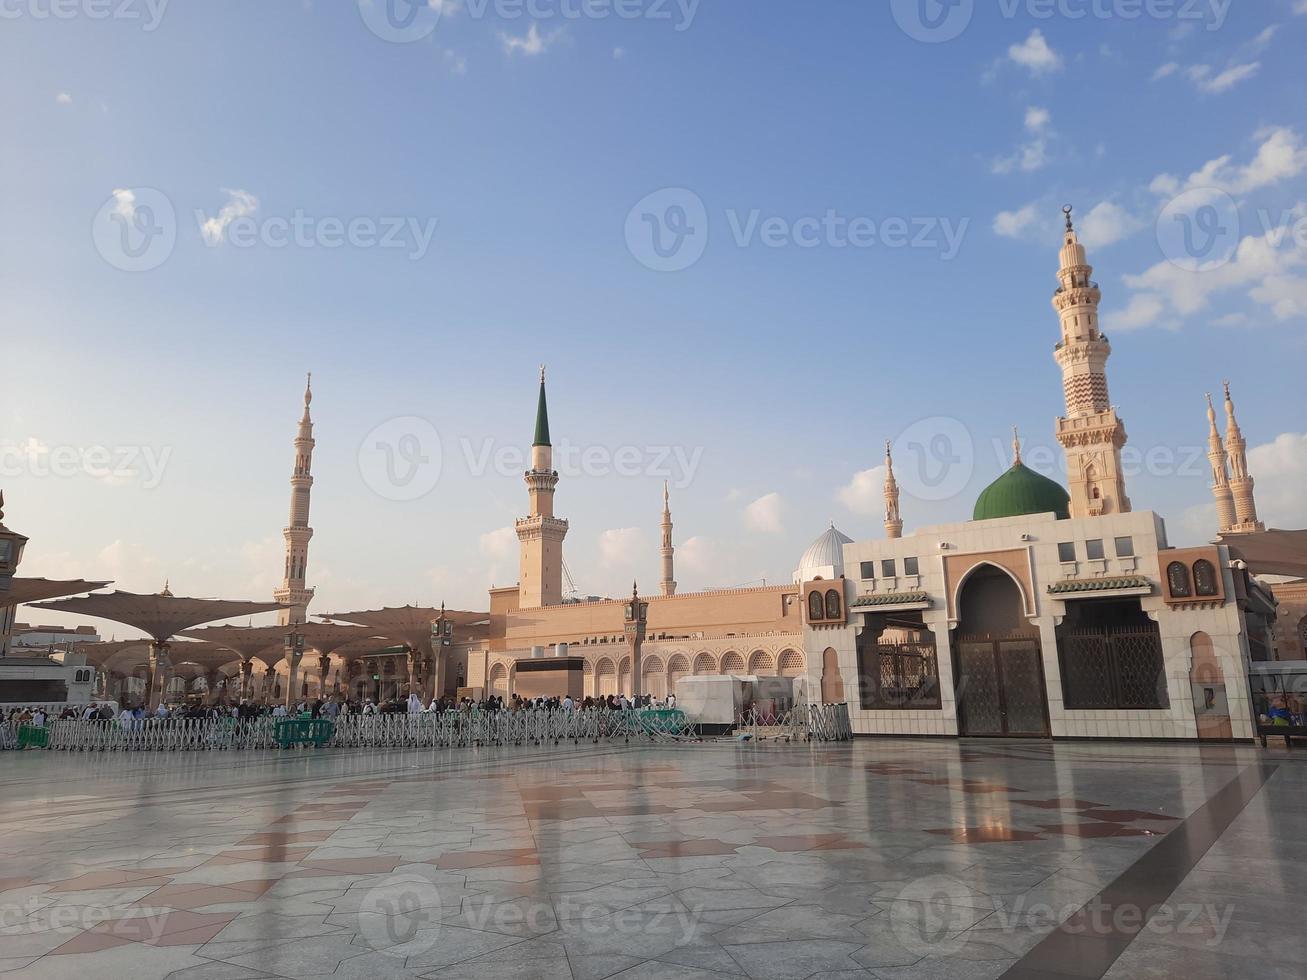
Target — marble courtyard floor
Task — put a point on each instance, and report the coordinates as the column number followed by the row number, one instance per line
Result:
column 883, row 858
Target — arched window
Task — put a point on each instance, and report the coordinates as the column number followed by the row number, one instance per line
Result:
column 705, row 664
column 815, row 609
column 833, row 604
column 733, row 663
column 1302, row 636
column 1177, row 579
column 791, row 663
column 761, row 662
column 1205, row 581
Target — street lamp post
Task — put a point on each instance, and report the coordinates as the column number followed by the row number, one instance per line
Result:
column 442, row 635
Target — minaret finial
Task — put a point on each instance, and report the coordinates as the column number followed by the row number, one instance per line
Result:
column 1067, row 211
column 542, row 374
column 1016, row 447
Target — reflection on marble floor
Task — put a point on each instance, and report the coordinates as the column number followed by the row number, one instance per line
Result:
column 893, row 858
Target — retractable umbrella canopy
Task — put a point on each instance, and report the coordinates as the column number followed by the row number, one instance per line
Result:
column 1272, row 552
column 24, row 590
column 159, row 615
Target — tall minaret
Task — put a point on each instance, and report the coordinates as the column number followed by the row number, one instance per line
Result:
column 893, row 521
column 1220, row 474
column 667, row 552
column 540, row 535
column 1241, row 482
column 293, row 591
column 1090, row 433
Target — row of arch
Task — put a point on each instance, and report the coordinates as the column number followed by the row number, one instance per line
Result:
column 610, row 676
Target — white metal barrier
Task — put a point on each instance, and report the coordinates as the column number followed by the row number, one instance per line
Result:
column 446, row 729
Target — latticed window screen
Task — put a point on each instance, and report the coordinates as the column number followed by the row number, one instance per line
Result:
column 1177, row 578
column 1112, row 669
column 900, row 675
column 1205, row 582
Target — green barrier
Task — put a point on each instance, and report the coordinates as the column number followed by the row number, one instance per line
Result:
column 303, row 731
column 31, row 736
column 663, row 720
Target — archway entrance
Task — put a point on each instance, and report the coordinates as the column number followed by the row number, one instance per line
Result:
column 998, row 662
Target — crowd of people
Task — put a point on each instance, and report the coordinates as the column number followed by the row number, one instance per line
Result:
column 331, row 708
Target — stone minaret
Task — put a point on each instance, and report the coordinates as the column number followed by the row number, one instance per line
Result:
column 1241, row 482
column 667, row 551
column 541, row 533
column 293, row 591
column 1220, row 473
column 893, row 520
column 1090, row 433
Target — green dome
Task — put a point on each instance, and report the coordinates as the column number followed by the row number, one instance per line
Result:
column 1022, row 491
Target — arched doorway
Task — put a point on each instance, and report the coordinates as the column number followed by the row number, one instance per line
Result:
column 997, row 660
column 1211, row 706
column 498, row 681
column 655, row 678
column 678, row 668
column 624, row 677
column 605, row 678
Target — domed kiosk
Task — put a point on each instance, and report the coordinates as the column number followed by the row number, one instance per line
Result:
column 1021, row 491
column 824, row 558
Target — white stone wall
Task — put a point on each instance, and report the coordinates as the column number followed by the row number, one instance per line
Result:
column 1038, row 538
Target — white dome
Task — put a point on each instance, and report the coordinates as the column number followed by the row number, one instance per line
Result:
column 825, row 557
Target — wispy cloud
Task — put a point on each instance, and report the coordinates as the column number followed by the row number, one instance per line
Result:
column 532, row 43
column 240, row 204
column 1035, row 55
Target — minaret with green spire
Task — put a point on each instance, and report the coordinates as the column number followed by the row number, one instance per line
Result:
column 540, row 534
column 542, row 414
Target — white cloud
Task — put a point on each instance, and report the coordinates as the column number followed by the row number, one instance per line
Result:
column 1166, row 71
column 1280, row 471
column 63, row 98
column 619, row 54
column 1012, row 224
column 1262, row 265
column 457, row 63
column 865, row 492
column 240, row 204
column 500, row 543
column 1232, row 320
column 1035, row 55
column 533, row 43
column 1106, row 224
column 1214, row 84
column 1281, row 156
column 124, row 203
column 1037, row 118
column 764, row 514
column 622, row 547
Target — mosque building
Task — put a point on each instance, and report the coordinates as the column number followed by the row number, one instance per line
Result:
column 1054, row 612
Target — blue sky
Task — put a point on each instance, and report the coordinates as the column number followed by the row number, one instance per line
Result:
column 521, row 145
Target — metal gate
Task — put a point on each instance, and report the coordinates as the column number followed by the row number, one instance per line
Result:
column 1000, row 684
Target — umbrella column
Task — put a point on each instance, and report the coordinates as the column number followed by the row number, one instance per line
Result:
column 157, row 684
column 294, row 654
column 247, row 683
